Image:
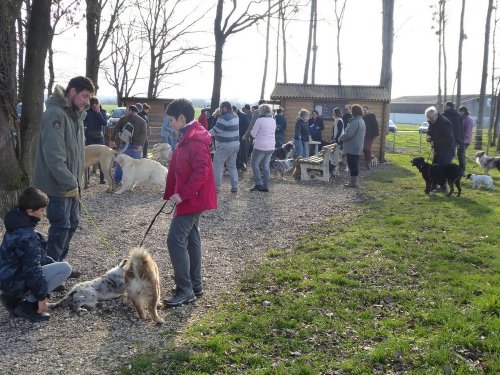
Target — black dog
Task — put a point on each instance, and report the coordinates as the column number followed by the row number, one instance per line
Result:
column 283, row 152
column 438, row 175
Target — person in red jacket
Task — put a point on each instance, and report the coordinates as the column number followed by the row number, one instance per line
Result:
column 203, row 119
column 191, row 187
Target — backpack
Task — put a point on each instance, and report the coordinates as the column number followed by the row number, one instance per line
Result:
column 126, row 133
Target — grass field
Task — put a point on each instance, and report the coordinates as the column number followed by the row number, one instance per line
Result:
column 411, row 283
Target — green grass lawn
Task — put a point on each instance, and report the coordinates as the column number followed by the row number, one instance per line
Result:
column 410, row 283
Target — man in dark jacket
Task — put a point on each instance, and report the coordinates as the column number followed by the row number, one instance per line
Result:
column 280, row 127
column 456, row 121
column 27, row 274
column 134, row 148
column 94, row 128
column 242, row 157
column 372, row 132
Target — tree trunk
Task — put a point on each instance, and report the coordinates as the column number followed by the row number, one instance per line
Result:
column 283, row 36
column 37, row 44
column 482, row 95
column 266, row 60
column 11, row 176
column 219, row 47
column 309, row 44
column 93, row 16
column 386, row 69
column 339, row 18
column 443, row 46
column 315, row 46
column 278, row 34
column 439, row 103
column 50, row 84
column 20, row 60
column 460, row 48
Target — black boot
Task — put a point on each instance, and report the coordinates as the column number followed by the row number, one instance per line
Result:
column 28, row 310
column 9, row 303
column 256, row 188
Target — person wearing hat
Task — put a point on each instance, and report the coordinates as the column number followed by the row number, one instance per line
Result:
column 134, row 149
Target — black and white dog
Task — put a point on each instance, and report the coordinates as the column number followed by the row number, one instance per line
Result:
column 282, row 166
column 487, row 162
column 480, row 179
column 284, row 152
column 438, row 175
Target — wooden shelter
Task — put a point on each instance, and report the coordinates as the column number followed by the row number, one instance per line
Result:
column 158, row 107
column 324, row 98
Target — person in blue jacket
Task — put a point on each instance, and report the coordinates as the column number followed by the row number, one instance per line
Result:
column 94, row 124
column 27, row 274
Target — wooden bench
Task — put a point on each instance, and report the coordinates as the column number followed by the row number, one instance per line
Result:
column 317, row 166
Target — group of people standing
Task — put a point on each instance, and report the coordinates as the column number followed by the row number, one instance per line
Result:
column 450, row 134
column 354, row 131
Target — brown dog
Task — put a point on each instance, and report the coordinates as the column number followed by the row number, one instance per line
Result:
column 142, row 283
column 104, row 156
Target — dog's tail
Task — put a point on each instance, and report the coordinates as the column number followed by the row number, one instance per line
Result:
column 139, row 258
column 64, row 302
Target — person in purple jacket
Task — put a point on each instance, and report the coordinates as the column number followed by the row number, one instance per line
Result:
column 466, row 137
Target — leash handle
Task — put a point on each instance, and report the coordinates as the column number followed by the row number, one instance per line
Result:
column 154, row 218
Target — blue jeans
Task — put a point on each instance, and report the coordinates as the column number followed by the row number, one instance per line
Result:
column 228, row 156
column 55, row 274
column 184, row 247
column 63, row 215
column 260, row 167
column 136, row 154
column 301, row 148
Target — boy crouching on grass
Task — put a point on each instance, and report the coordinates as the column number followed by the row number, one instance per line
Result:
column 27, row 274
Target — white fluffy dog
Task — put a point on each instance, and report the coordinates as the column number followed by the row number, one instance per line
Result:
column 137, row 170
column 480, row 179
column 162, row 153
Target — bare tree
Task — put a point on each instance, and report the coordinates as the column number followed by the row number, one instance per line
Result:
column 21, row 43
column 266, row 60
column 231, row 24
column 443, row 47
column 11, row 177
column 285, row 14
column 312, row 25
column 126, row 58
column 314, row 45
column 18, row 150
column 495, row 83
column 339, row 18
column 387, row 49
column 37, row 44
column 438, row 16
column 67, row 13
column 97, row 37
column 164, row 31
column 461, row 39
column 482, row 94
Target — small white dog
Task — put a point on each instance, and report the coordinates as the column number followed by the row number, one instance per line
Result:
column 137, row 170
column 480, row 179
column 374, row 161
column 162, row 153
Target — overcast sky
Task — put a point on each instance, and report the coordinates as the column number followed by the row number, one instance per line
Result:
column 414, row 60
